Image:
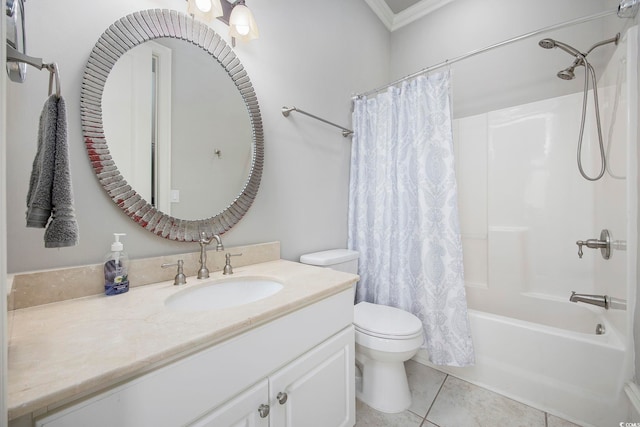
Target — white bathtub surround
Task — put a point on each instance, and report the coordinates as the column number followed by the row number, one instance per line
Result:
column 523, row 205
column 403, row 215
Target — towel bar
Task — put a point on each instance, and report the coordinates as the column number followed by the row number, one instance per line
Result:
column 286, row 110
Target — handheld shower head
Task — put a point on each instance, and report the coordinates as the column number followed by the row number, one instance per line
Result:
column 551, row 43
column 547, row 43
column 590, row 74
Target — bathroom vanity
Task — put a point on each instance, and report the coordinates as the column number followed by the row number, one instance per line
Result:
column 285, row 360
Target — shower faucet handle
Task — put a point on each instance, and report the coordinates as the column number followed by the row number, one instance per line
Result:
column 580, row 243
column 604, row 244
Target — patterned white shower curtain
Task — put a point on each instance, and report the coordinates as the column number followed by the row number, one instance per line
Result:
column 403, row 212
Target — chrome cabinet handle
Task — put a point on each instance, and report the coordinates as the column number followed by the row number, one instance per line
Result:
column 263, row 410
column 282, row 398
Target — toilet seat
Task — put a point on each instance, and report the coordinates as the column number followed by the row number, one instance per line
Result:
column 386, row 322
column 388, row 337
column 390, row 346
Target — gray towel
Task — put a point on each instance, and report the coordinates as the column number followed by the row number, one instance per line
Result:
column 50, row 192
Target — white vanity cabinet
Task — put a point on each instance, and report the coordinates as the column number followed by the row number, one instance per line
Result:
column 247, row 409
column 318, row 389
column 297, row 370
column 313, row 390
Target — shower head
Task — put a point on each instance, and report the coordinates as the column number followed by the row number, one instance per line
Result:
column 566, row 74
column 551, row 43
column 581, row 58
column 547, row 43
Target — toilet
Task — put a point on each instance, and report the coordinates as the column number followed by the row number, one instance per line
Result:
column 385, row 338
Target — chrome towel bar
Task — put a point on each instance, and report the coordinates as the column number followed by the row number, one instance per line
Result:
column 287, row 110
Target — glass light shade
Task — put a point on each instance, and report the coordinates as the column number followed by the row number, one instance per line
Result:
column 242, row 24
column 204, row 5
column 205, row 10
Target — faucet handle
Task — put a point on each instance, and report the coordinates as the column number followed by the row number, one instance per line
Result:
column 228, row 269
column 180, row 278
column 580, row 243
column 604, row 244
column 203, row 239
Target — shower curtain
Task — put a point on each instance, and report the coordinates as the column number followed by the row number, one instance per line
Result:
column 403, row 214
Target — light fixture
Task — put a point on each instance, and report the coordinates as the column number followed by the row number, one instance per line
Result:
column 242, row 24
column 239, row 18
column 205, row 10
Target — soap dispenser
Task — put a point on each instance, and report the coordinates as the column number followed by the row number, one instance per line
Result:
column 116, row 265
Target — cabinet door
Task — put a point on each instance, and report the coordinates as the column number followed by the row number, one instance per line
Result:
column 317, row 389
column 241, row 411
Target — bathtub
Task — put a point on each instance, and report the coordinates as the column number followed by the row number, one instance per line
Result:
column 548, row 356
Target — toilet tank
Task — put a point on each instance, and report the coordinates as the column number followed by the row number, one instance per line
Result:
column 337, row 259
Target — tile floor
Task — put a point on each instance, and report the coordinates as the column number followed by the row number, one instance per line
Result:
column 440, row 400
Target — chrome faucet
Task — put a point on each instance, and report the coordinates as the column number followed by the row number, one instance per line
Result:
column 599, row 300
column 604, row 244
column 203, row 272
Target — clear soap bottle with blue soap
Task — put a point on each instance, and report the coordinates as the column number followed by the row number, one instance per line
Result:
column 116, row 266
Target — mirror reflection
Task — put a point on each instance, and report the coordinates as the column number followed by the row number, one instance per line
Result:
column 178, row 128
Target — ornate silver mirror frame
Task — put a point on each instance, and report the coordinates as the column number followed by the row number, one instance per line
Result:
column 122, row 36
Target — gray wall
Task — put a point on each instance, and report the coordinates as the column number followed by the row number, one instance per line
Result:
column 509, row 75
column 310, row 54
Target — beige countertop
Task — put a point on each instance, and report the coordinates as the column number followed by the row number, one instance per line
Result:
column 63, row 351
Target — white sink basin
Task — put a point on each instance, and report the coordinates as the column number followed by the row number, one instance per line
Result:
column 223, row 293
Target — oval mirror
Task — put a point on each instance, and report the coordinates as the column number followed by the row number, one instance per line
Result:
column 172, row 125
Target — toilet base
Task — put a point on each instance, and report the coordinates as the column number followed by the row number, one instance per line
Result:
column 384, row 385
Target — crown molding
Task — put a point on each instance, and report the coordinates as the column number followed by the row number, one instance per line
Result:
column 416, row 12
column 395, row 21
column 383, row 11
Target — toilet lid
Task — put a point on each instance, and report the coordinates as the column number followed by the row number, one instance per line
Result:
column 384, row 321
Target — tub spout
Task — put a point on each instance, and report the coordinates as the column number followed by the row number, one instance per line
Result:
column 599, row 300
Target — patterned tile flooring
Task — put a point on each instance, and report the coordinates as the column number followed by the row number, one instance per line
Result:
column 440, row 400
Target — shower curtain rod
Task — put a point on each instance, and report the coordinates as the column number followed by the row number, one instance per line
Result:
column 486, row 49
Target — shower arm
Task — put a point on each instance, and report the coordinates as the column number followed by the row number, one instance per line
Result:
column 614, row 40
column 580, row 57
